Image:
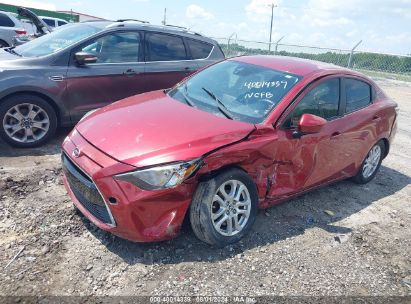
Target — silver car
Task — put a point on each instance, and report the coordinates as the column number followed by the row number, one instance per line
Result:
column 10, row 27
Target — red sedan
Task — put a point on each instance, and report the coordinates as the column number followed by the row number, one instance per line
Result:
column 243, row 134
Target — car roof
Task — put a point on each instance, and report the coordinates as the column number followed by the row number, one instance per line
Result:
column 52, row 18
column 143, row 25
column 293, row 65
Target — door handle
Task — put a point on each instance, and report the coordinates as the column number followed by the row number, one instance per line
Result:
column 188, row 70
column 130, row 72
column 335, row 135
column 376, row 118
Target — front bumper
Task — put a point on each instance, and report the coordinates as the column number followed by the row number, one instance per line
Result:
column 123, row 209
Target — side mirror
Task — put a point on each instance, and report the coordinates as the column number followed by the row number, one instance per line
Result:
column 83, row 58
column 309, row 124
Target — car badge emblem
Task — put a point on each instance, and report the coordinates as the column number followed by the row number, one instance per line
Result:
column 76, row 152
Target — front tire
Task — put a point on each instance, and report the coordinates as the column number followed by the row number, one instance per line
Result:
column 371, row 164
column 26, row 120
column 224, row 208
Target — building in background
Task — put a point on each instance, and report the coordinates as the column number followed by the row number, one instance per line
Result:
column 69, row 16
column 41, row 12
column 81, row 17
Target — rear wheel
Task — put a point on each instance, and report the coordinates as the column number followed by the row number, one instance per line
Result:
column 26, row 120
column 224, row 208
column 3, row 44
column 371, row 164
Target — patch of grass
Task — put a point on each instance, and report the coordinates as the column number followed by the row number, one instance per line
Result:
column 387, row 75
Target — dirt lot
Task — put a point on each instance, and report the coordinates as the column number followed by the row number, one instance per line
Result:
column 294, row 249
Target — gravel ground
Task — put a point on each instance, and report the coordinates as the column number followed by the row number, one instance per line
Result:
column 360, row 248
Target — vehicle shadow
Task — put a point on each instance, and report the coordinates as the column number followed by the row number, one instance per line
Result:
column 51, row 147
column 280, row 222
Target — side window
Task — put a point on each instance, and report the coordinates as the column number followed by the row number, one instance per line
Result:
column 323, row 101
column 6, row 21
column 115, row 48
column 162, row 47
column 49, row 22
column 198, row 49
column 60, row 23
column 358, row 94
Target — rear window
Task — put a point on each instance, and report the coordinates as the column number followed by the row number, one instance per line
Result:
column 6, row 21
column 198, row 49
column 163, row 47
column 358, row 94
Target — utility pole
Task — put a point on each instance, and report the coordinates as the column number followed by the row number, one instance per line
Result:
column 165, row 17
column 271, row 26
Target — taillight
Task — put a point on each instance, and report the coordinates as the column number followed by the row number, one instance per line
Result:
column 21, row 32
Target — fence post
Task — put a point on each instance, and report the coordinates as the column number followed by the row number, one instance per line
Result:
column 228, row 42
column 352, row 53
column 276, row 45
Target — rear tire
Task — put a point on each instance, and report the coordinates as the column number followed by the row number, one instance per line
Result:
column 371, row 164
column 26, row 121
column 224, row 208
column 3, row 44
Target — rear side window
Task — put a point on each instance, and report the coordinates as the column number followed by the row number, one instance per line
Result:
column 162, row 47
column 49, row 22
column 60, row 23
column 358, row 94
column 198, row 49
column 323, row 100
column 6, row 21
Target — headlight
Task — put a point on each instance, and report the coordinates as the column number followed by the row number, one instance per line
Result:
column 161, row 177
column 88, row 114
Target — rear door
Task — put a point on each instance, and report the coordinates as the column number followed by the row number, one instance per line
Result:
column 200, row 52
column 360, row 122
column 116, row 74
column 167, row 60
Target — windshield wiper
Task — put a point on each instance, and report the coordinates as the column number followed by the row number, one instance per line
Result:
column 12, row 51
column 220, row 105
column 186, row 98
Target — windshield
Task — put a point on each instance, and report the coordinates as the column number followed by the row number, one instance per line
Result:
column 59, row 39
column 236, row 90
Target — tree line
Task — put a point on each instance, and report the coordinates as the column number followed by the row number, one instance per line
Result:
column 360, row 60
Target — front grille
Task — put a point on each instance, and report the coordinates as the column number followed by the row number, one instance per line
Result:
column 85, row 191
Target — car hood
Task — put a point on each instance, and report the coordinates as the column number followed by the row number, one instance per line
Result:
column 6, row 56
column 153, row 128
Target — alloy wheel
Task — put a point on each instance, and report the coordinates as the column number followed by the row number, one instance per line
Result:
column 230, row 208
column 26, row 123
column 372, row 161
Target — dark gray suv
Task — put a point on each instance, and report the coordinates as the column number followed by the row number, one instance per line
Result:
column 54, row 80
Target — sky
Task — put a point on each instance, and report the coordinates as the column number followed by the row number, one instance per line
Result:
column 382, row 25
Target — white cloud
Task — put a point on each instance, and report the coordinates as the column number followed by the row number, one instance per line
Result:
column 260, row 7
column 260, row 11
column 194, row 11
column 32, row 4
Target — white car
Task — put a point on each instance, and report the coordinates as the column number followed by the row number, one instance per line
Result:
column 10, row 27
column 53, row 22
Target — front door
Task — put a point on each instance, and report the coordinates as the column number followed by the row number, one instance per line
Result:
column 304, row 162
column 118, row 73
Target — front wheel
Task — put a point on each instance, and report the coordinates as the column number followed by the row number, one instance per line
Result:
column 224, row 208
column 371, row 164
column 26, row 120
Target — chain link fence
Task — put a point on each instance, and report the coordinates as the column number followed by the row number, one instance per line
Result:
column 377, row 65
